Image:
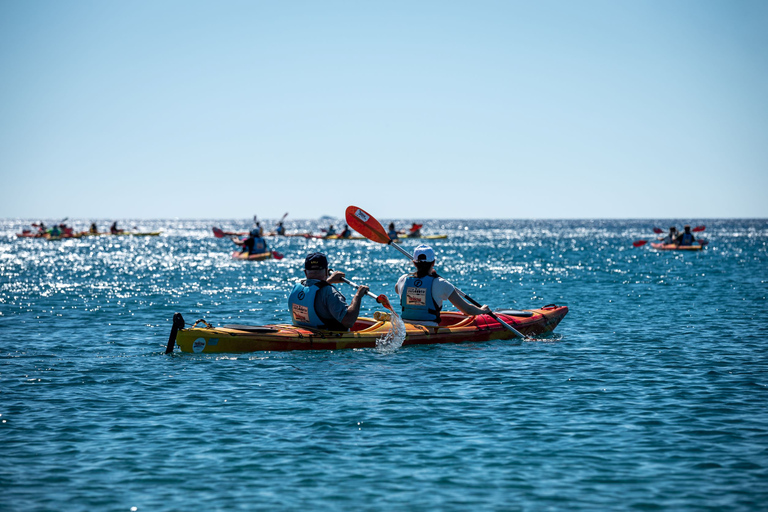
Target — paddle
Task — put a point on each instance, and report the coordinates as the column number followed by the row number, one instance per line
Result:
column 362, row 222
column 381, row 299
column 658, row 231
column 698, row 229
column 639, row 243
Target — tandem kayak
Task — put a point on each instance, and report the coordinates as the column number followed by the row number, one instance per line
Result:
column 673, row 247
column 48, row 236
column 122, row 233
column 425, row 237
column 454, row 327
column 269, row 255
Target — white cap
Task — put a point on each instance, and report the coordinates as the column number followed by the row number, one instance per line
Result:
column 423, row 253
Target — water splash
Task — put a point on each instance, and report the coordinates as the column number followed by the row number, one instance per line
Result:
column 395, row 336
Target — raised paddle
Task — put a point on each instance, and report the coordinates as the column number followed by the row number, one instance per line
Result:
column 362, row 222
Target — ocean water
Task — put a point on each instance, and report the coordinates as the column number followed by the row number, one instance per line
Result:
column 652, row 394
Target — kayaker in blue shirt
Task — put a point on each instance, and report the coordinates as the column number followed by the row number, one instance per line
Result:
column 686, row 237
column 423, row 292
column 346, row 232
column 391, row 231
column 280, row 229
column 315, row 302
column 330, row 231
column 255, row 243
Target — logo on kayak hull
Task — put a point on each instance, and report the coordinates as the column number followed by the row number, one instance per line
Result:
column 198, row 345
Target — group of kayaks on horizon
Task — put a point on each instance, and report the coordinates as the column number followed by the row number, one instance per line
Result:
column 676, row 240
column 62, row 231
column 255, row 247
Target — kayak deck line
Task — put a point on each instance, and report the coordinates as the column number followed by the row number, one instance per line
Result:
column 454, row 327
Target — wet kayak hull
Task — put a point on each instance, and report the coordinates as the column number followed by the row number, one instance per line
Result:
column 455, row 328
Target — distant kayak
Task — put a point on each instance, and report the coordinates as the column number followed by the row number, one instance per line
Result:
column 454, row 327
column 269, row 255
column 122, row 233
column 356, row 237
column 425, row 237
column 48, row 236
column 673, row 247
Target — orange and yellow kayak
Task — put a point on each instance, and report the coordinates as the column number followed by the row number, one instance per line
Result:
column 674, row 247
column 454, row 327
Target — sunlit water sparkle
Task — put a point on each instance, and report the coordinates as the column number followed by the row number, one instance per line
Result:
column 651, row 394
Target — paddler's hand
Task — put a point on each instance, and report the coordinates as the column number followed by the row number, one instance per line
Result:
column 361, row 291
column 335, row 277
column 485, row 309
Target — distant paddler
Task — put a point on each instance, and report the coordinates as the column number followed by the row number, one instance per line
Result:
column 422, row 293
column 686, row 237
column 254, row 244
column 93, row 230
column 391, row 231
column 671, row 236
column 113, row 229
column 415, row 230
column 315, row 302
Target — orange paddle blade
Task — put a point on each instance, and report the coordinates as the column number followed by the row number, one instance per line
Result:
column 639, row 243
column 218, row 233
column 698, row 229
column 365, row 224
column 384, row 301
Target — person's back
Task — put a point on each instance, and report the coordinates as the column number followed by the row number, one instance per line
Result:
column 686, row 238
column 113, row 228
column 331, row 231
column 255, row 243
column 280, row 230
column 391, row 231
column 93, row 229
column 671, row 236
column 422, row 293
column 346, row 232
column 315, row 302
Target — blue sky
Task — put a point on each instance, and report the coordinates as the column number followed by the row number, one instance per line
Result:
column 489, row 109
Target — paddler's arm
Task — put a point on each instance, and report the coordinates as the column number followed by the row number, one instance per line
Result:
column 353, row 310
column 467, row 308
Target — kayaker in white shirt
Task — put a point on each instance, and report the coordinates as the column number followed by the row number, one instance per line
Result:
column 423, row 292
